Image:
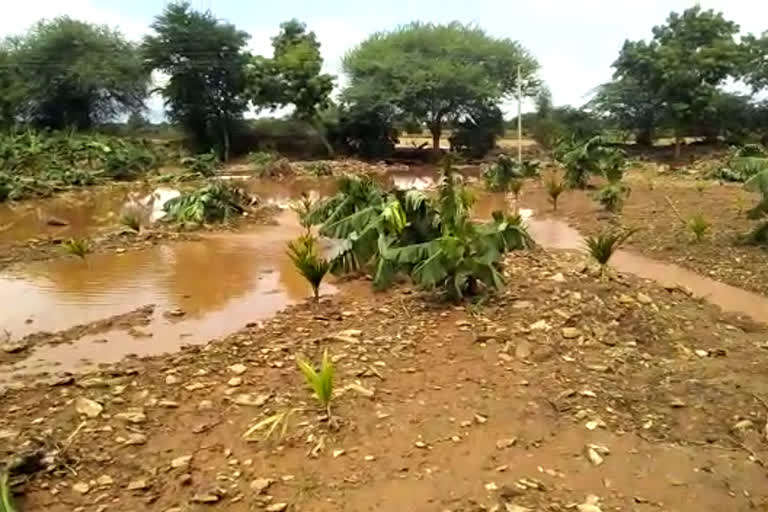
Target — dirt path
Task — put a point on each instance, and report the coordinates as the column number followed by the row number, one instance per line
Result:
column 471, row 408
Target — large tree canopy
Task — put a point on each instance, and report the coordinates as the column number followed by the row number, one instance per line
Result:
column 434, row 73
column 676, row 76
column 205, row 61
column 293, row 75
column 67, row 73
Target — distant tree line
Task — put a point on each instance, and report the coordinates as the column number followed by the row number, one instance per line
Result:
column 67, row 74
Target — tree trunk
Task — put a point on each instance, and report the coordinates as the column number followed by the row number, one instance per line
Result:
column 678, row 145
column 645, row 137
column 226, row 144
column 436, row 129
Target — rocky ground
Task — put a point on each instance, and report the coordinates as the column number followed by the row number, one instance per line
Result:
column 663, row 234
column 564, row 392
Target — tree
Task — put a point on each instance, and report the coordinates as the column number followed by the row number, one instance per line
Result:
column 206, row 62
column 435, row 73
column 630, row 106
column 756, row 60
column 71, row 74
column 681, row 67
column 544, row 103
column 292, row 76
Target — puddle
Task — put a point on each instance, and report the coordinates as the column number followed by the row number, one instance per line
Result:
column 224, row 281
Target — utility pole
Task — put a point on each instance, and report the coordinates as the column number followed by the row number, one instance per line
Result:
column 519, row 118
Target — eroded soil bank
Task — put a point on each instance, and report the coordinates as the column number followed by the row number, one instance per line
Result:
column 565, row 390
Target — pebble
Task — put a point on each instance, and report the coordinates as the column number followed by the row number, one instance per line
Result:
column 250, row 400
column 235, row 381
column 81, row 487
column 238, row 369
column 570, row 333
column 260, row 485
column 181, row 462
column 136, row 439
column 277, row 507
column 139, row 484
column 87, row 407
column 105, row 481
column 136, row 416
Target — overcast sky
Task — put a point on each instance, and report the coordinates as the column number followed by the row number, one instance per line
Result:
column 575, row 41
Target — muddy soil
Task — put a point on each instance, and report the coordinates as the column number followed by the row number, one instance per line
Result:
column 564, row 392
column 663, row 235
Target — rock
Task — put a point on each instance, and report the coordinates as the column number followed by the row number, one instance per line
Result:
column 491, row 486
column 140, row 484
column 743, row 425
column 558, row 278
column 590, row 504
column 168, row 404
column 9, row 434
column 81, row 488
column 261, row 484
column 522, row 304
column 238, row 369
column 181, row 462
column 105, row 481
column 205, row 405
column 14, row 347
column 522, row 349
column 277, row 507
column 369, row 458
column 511, row 507
column 235, row 381
column 510, row 492
column 676, row 403
column 701, row 353
column 644, row 299
column 175, row 313
column 250, row 400
column 593, row 456
column 351, row 333
column 136, row 439
column 570, row 333
column 481, row 419
column 56, row 221
column 360, row 390
column 88, row 407
column 541, row 325
column 172, row 379
column 213, row 497
column 420, row 444
column 626, row 299
column 134, row 416
column 338, row 453
column 505, row 443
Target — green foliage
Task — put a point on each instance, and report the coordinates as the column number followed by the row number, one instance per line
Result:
column 293, row 75
column 500, row 176
column 206, row 61
column 432, row 73
column 304, row 254
column 612, row 195
column 319, row 169
column 320, row 382
column 203, row 165
column 259, row 159
column 303, row 208
column 79, row 247
column 583, row 159
column 65, row 73
column 431, row 239
column 743, row 163
column 475, row 134
column 675, row 76
column 214, row 202
column 131, row 220
column 365, row 128
column 6, row 497
column 698, row 226
column 554, row 187
column 602, row 246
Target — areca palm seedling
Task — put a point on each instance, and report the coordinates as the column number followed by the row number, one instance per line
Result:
column 6, row 500
column 320, row 382
column 303, row 208
column 77, row 247
column 698, row 226
column 313, row 267
column 602, row 246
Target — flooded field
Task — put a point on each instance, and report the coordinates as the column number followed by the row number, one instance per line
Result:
column 210, row 288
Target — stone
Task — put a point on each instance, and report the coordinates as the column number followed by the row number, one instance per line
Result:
column 593, row 456
column 206, row 498
column 420, row 444
column 522, row 349
column 205, row 405
column 743, row 425
column 260, row 485
column 491, row 486
column 14, row 347
column 105, row 481
column 235, row 381
column 248, row 399
column 558, row 278
column 134, row 416
column 277, row 507
column 81, row 487
column 644, row 299
column 541, row 325
column 238, row 369
column 168, row 404
column 181, row 462
column 136, row 439
column 570, row 333
column 501, row 444
column 88, row 407
column 9, row 434
column 140, row 484
column 360, row 390
column 351, row 333
column 626, row 299
column 172, row 379
column 511, row 507
column 338, row 453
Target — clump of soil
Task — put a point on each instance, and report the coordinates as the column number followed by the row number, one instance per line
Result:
column 563, row 392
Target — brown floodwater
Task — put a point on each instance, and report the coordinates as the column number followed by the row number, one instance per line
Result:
column 221, row 282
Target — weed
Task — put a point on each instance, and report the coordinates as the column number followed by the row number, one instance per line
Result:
column 77, row 247
column 203, row 165
column 516, row 186
column 321, row 383
column 701, row 186
column 602, row 246
column 259, row 159
column 555, row 187
column 698, row 226
column 612, row 195
column 319, row 169
column 131, row 220
column 303, row 208
column 6, row 499
column 304, row 254
column 277, row 421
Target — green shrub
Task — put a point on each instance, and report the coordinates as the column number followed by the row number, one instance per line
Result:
column 203, row 165
column 319, row 169
column 698, row 226
column 214, row 202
